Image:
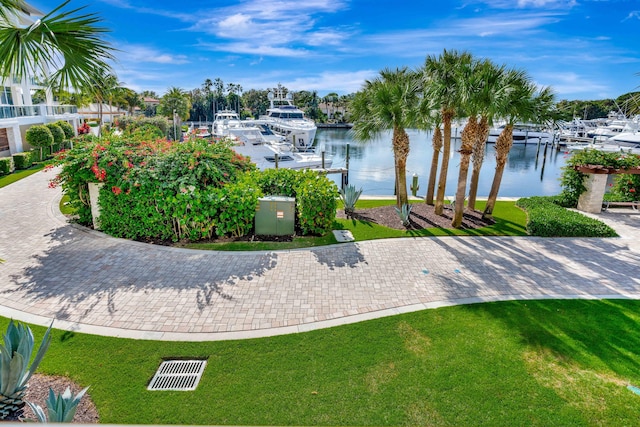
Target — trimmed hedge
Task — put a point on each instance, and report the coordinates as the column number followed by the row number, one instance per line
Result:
column 66, row 127
column 547, row 219
column 316, row 196
column 24, row 160
column 6, row 165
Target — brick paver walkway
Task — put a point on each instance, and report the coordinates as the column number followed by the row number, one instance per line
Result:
column 89, row 282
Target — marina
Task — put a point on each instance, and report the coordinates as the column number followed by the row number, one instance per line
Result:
column 531, row 170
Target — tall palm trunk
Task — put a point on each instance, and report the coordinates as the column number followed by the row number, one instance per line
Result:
column 437, row 146
column 478, row 158
column 503, row 145
column 468, row 138
column 442, row 181
column 400, row 153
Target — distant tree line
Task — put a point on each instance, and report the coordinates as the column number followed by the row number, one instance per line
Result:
column 627, row 104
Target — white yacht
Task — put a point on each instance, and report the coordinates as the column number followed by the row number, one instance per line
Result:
column 609, row 129
column 285, row 119
column 224, row 121
column 524, row 133
column 268, row 155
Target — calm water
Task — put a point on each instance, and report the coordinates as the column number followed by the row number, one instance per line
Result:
column 371, row 165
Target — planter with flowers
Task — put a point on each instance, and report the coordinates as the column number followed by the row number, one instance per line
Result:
column 586, row 177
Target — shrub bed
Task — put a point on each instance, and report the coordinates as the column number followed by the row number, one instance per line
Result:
column 547, row 219
column 194, row 190
column 6, row 165
column 24, row 160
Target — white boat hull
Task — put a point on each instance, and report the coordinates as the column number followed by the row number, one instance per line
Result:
column 264, row 157
column 523, row 137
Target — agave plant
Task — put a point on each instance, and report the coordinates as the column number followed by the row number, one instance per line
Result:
column 15, row 371
column 404, row 214
column 349, row 198
column 61, row 408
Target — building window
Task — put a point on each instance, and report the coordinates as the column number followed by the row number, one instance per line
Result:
column 5, row 96
column 4, row 140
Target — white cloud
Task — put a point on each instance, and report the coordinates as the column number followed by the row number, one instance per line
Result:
column 633, row 14
column 341, row 82
column 567, row 83
column 255, row 49
column 140, row 53
column 530, row 4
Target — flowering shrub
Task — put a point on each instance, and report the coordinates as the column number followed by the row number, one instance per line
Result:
column 626, row 188
column 158, row 190
column 84, row 129
column 572, row 180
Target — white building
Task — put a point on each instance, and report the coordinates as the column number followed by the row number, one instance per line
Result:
column 17, row 112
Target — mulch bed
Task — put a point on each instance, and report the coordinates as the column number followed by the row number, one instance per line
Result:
column 422, row 216
column 38, row 391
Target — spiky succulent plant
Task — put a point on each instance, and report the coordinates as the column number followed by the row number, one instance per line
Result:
column 61, row 408
column 15, row 371
column 349, row 198
column 404, row 214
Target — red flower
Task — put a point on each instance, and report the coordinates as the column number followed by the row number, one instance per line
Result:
column 116, row 190
column 632, row 190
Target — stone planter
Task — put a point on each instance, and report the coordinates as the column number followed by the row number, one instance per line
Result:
column 591, row 200
column 604, row 170
column 94, row 197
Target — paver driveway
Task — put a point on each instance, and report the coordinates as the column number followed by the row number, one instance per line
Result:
column 90, row 282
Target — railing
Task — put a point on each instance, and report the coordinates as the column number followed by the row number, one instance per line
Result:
column 15, row 111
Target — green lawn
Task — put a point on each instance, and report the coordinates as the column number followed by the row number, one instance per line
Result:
column 17, row 176
column 510, row 221
column 510, row 363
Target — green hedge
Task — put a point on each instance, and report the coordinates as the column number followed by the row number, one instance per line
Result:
column 316, row 196
column 195, row 190
column 66, row 127
column 548, row 219
column 6, row 165
column 24, row 160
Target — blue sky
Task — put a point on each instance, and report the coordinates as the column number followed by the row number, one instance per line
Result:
column 583, row 49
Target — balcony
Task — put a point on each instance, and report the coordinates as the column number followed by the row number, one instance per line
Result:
column 17, row 111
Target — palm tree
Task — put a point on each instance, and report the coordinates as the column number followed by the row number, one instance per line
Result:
column 443, row 83
column 129, row 99
column 176, row 105
column 490, row 91
column 389, row 102
column 69, row 46
column 479, row 88
column 519, row 103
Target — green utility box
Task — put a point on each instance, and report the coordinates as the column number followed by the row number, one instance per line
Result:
column 275, row 216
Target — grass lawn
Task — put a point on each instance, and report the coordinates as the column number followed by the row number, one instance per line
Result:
column 510, row 221
column 17, row 176
column 509, row 363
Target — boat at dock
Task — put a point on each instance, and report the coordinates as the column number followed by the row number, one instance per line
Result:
column 224, row 121
column 283, row 118
column 524, row 133
column 267, row 155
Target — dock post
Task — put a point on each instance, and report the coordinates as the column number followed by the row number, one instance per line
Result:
column 323, row 159
column 276, row 159
column 346, row 179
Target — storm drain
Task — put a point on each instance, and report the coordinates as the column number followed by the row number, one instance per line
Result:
column 181, row 375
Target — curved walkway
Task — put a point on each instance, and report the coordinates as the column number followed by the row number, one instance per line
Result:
column 50, row 269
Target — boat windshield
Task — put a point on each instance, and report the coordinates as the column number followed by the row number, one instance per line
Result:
column 276, row 115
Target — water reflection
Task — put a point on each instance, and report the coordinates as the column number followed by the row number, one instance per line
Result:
column 530, row 171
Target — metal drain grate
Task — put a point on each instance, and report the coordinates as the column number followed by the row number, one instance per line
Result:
column 181, row 375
